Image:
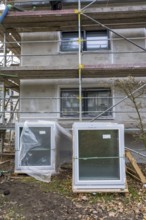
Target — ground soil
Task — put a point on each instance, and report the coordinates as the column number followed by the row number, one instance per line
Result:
column 22, row 197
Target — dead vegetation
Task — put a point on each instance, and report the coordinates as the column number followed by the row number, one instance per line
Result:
column 135, row 91
column 30, row 199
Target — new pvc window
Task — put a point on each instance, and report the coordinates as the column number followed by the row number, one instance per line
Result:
column 35, row 143
column 94, row 102
column 98, row 156
column 91, row 40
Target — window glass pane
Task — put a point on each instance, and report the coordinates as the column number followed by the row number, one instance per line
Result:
column 97, row 40
column 69, row 41
column 99, row 101
column 105, row 164
column 94, row 101
column 69, row 103
column 39, row 155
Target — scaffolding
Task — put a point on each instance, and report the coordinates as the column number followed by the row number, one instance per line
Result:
column 67, row 19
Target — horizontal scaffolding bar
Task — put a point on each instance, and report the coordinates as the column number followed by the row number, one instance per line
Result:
column 69, row 97
column 69, row 112
column 97, row 52
column 64, row 41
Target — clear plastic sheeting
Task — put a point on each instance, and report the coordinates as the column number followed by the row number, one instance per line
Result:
column 28, row 142
column 41, row 175
column 41, row 148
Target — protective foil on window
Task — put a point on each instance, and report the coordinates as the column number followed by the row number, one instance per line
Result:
column 41, row 148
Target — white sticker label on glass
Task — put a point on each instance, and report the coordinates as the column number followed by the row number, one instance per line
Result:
column 42, row 132
column 106, row 136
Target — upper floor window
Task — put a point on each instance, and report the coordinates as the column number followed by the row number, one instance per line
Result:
column 91, row 40
column 94, row 101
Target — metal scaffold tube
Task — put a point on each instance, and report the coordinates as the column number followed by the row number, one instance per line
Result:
column 5, row 50
column 119, row 102
column 3, row 105
column 80, row 63
column 87, row 6
column 109, row 29
column 136, row 152
column 119, row 35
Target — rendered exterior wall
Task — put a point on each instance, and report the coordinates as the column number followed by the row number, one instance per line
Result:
column 50, row 54
column 122, row 46
column 56, row 59
column 38, row 89
column 122, row 113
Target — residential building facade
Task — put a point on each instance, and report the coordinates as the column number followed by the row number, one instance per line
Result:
column 58, row 99
column 70, row 61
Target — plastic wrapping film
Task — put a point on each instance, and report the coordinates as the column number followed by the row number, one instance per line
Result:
column 41, row 148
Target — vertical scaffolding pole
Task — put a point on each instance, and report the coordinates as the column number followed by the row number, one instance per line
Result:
column 3, row 104
column 80, row 64
column 2, row 132
column 4, row 64
column 5, row 50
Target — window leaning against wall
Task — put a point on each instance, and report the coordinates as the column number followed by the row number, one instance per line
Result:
column 94, row 101
column 91, row 40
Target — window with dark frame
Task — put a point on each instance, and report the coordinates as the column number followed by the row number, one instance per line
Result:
column 91, row 40
column 94, row 101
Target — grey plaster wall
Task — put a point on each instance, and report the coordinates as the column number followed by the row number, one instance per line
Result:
column 43, row 49
column 40, row 98
column 133, row 53
column 37, row 99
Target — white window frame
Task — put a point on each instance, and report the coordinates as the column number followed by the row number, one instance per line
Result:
column 29, row 169
column 86, row 185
